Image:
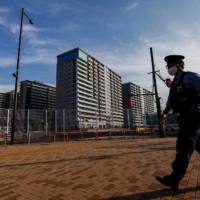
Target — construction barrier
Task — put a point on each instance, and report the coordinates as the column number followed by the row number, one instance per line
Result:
column 98, row 133
column 65, row 135
column 4, row 136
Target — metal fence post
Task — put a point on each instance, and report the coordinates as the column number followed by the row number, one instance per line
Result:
column 29, row 138
column 55, row 123
column 64, row 123
column 46, row 127
column 128, row 119
column 112, row 120
column 80, row 128
column 96, row 121
column 55, row 120
column 8, row 121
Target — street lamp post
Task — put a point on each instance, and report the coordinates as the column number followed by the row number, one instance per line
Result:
column 16, row 75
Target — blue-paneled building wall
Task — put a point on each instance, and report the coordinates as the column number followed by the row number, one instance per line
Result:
column 71, row 55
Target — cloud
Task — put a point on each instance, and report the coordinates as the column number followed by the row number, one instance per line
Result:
column 121, row 42
column 42, row 42
column 4, row 10
column 7, row 61
column 14, row 28
column 133, row 62
column 2, row 21
column 51, row 8
column 132, row 6
column 6, row 88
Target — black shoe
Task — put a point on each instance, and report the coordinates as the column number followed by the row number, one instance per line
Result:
column 170, row 181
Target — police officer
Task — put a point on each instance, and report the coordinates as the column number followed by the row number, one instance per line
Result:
column 184, row 100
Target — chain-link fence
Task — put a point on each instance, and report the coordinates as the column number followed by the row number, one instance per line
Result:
column 35, row 125
column 134, row 119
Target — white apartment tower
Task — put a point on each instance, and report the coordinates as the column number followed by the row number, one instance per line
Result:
column 89, row 92
column 142, row 103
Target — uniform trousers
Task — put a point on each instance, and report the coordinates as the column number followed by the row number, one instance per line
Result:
column 188, row 140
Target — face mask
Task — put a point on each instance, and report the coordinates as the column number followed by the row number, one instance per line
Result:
column 173, row 70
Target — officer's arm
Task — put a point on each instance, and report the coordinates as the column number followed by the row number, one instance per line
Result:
column 194, row 80
column 166, row 110
column 164, row 114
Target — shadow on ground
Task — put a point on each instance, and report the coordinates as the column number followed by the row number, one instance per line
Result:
column 91, row 158
column 164, row 193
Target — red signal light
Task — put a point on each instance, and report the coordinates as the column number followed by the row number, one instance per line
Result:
column 129, row 102
column 168, row 82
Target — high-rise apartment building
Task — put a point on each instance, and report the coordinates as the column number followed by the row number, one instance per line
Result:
column 7, row 100
column 37, row 95
column 142, row 102
column 4, row 100
column 89, row 90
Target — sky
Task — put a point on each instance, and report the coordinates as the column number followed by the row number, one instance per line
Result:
column 118, row 33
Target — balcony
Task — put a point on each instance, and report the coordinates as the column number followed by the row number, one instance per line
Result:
column 86, row 96
column 87, row 102
column 85, row 92
column 84, row 88
column 82, row 70
column 84, row 80
column 82, row 75
column 83, row 63
column 85, row 107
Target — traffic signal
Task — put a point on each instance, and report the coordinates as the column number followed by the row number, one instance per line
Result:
column 168, row 82
column 129, row 102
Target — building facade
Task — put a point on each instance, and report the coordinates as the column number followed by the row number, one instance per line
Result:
column 4, row 100
column 6, row 109
column 142, row 103
column 7, row 100
column 37, row 95
column 89, row 91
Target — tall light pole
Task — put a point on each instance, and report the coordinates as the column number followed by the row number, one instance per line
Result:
column 161, row 131
column 16, row 75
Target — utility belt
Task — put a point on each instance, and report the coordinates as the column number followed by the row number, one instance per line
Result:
column 195, row 108
column 187, row 113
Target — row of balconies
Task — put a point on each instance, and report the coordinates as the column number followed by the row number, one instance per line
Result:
column 95, row 79
column 89, row 95
column 84, row 85
column 87, row 102
column 83, row 80
column 79, row 86
column 82, row 70
column 85, row 95
column 115, row 84
column 116, row 81
column 39, row 89
column 115, row 92
column 80, row 62
column 96, row 66
column 82, row 109
column 99, row 72
column 115, row 77
column 86, row 107
column 41, row 86
column 82, row 75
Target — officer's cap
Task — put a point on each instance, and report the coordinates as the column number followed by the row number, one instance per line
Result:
column 173, row 59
